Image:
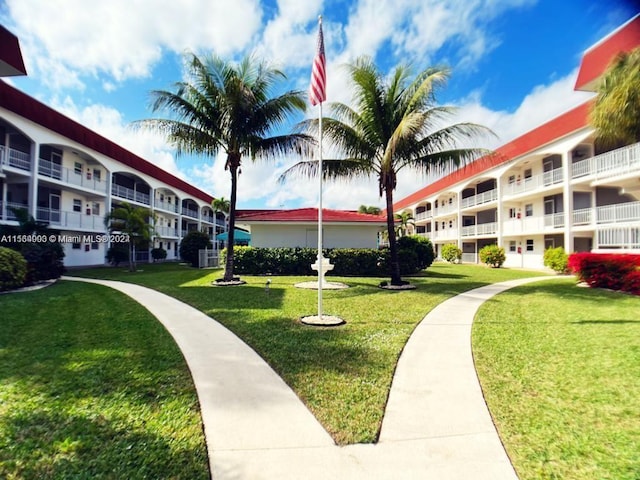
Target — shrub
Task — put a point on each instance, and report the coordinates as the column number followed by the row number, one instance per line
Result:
column 158, row 254
column 419, row 246
column 13, row 269
column 556, row 259
column 191, row 244
column 44, row 259
column 451, row 253
column 118, row 253
column 606, row 270
column 492, row 255
column 632, row 283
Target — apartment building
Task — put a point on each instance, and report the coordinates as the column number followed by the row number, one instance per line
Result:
column 69, row 176
column 554, row 186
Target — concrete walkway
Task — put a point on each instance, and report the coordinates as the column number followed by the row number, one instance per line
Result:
column 436, row 425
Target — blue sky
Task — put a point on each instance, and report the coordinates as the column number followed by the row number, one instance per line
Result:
column 513, row 62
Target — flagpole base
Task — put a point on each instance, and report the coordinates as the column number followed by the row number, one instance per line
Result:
column 322, row 321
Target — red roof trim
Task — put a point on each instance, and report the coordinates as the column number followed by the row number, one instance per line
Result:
column 11, row 62
column 597, row 58
column 558, row 127
column 20, row 103
column 306, row 215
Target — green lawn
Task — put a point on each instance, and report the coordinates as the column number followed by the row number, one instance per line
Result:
column 343, row 374
column 560, row 369
column 92, row 386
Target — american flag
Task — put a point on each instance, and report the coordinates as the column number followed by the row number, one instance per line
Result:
column 317, row 90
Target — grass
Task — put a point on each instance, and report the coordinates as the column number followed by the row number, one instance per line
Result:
column 560, row 369
column 92, row 386
column 343, row 374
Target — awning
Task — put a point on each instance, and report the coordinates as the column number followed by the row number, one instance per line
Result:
column 239, row 236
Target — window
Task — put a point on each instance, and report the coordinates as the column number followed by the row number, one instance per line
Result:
column 527, row 173
column 529, row 244
column 512, row 179
column 528, row 210
column 450, row 200
column 162, row 197
column 77, row 205
column 97, row 174
column 450, row 223
column 160, row 244
column 95, row 208
column 512, row 246
column 94, row 246
column 77, row 168
column 443, row 224
column 75, row 246
column 512, row 213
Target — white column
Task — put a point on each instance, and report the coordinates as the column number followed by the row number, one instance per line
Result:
column 33, row 181
column 567, row 202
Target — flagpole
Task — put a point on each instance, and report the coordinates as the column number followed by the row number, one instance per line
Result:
column 320, row 271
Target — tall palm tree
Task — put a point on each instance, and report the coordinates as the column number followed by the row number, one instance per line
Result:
column 616, row 111
column 404, row 220
column 230, row 108
column 134, row 222
column 223, row 206
column 394, row 124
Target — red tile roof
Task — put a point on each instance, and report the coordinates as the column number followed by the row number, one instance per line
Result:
column 305, row 215
column 11, row 63
column 597, row 58
column 557, row 128
column 20, row 103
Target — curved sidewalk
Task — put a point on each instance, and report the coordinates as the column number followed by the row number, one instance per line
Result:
column 436, row 424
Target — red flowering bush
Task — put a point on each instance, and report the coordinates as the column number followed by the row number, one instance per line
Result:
column 610, row 270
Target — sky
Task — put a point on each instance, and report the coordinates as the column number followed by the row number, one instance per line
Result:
column 513, row 66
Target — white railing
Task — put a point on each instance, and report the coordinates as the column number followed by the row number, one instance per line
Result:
column 480, row 198
column 169, row 207
column 426, row 215
column 622, row 161
column 49, row 215
column 583, row 216
column 622, row 237
column 14, row 158
column 53, row 170
column 546, row 179
column 554, row 220
column 446, row 209
column 5, row 210
column 449, row 234
column 208, row 218
column 480, row 229
column 166, row 231
column 129, row 194
column 189, row 212
column 618, row 213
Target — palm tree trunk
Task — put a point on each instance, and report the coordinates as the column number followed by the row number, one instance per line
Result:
column 393, row 247
column 228, row 268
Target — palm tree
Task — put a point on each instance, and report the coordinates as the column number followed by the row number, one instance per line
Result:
column 227, row 107
column 134, row 222
column 404, row 220
column 616, row 111
column 371, row 210
column 393, row 126
column 221, row 205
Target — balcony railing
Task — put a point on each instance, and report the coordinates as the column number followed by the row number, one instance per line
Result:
column 189, row 212
column 208, row 218
column 480, row 198
column 426, row 215
column 53, row 170
column 554, row 220
column 446, row 209
column 8, row 213
column 546, row 179
column 166, row 231
column 14, row 158
column 622, row 237
column 619, row 213
column 129, row 194
column 449, row 234
column 169, row 207
column 480, row 229
column 622, row 161
column 66, row 219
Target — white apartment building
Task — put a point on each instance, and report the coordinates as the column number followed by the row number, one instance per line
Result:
column 67, row 175
column 554, row 186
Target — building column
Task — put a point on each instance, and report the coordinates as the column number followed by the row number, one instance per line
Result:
column 500, row 213
column 33, row 180
column 567, row 202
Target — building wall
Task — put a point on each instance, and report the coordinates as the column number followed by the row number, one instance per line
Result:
column 335, row 236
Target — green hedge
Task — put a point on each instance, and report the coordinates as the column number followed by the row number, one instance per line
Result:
column 13, row 269
column 415, row 254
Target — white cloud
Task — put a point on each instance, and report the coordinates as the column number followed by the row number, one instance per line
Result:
column 124, row 39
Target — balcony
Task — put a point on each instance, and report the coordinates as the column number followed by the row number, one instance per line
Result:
column 480, row 198
column 626, row 238
column 554, row 220
column 449, row 234
column 129, row 194
column 189, row 212
column 166, row 231
column 480, row 229
column 49, row 169
column 446, row 210
column 168, row 207
column 620, row 213
column 74, row 220
column 536, row 182
column 8, row 214
column 14, row 158
column 426, row 215
column 208, row 218
column 623, row 161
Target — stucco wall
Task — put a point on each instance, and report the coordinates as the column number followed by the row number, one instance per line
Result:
column 335, row 236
